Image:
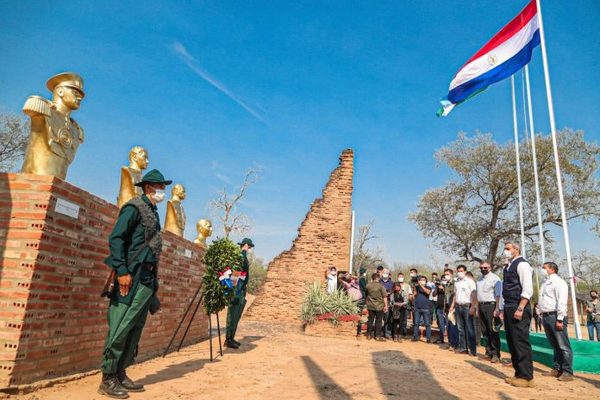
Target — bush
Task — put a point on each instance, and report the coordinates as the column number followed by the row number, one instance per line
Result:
column 258, row 275
column 318, row 305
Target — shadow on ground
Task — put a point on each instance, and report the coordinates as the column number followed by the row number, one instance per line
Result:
column 392, row 364
column 174, row 371
column 326, row 387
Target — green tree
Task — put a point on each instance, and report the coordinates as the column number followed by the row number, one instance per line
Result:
column 478, row 209
column 14, row 133
column 258, row 274
column 220, row 255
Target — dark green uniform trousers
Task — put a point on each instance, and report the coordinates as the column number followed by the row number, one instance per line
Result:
column 125, row 325
column 234, row 313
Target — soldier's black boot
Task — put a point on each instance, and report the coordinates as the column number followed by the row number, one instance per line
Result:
column 238, row 344
column 111, row 387
column 231, row 344
column 128, row 384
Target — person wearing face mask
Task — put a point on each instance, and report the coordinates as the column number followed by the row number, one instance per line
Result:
column 489, row 291
column 388, row 284
column 332, row 279
column 236, row 308
column 553, row 309
column 451, row 327
column 517, row 289
column 407, row 293
column 422, row 309
column 593, row 315
column 135, row 245
column 465, row 304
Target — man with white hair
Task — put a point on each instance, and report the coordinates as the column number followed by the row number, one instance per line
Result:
column 517, row 289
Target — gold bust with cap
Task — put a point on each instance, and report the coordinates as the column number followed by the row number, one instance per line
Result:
column 175, row 218
column 55, row 136
column 132, row 174
column 204, row 229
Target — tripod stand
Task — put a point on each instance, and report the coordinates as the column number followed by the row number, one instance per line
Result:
column 190, row 324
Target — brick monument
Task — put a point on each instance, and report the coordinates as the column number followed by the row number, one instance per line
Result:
column 323, row 240
column 53, row 240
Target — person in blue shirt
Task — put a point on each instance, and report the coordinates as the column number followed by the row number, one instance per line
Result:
column 422, row 309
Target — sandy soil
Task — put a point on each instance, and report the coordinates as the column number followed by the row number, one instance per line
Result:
column 274, row 363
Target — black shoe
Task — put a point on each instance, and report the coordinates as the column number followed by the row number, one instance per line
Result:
column 238, row 344
column 128, row 384
column 111, row 387
column 231, row 344
column 414, row 340
column 428, row 340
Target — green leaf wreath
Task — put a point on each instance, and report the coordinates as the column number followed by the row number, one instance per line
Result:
column 221, row 254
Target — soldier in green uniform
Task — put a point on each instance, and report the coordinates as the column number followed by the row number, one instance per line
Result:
column 135, row 245
column 235, row 310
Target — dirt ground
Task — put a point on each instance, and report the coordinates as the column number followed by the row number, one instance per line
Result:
column 274, row 363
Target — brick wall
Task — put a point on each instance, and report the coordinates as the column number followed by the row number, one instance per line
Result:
column 52, row 319
column 323, row 240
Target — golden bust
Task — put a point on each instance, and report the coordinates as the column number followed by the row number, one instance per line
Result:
column 138, row 161
column 204, row 228
column 55, row 136
column 175, row 219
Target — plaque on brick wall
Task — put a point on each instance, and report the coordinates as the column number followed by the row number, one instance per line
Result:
column 187, row 253
column 67, row 208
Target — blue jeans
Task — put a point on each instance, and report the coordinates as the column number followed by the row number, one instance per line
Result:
column 424, row 313
column 559, row 340
column 441, row 319
column 594, row 326
column 466, row 330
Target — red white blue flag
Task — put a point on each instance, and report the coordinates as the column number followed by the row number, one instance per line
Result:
column 506, row 53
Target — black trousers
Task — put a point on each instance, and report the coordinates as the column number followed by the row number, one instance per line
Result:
column 398, row 324
column 375, row 321
column 486, row 322
column 517, row 338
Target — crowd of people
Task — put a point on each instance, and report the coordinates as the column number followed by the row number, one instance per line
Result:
column 466, row 309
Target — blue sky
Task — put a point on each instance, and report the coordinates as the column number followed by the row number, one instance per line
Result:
column 211, row 88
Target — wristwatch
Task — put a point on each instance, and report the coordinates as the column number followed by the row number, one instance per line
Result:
column 519, row 308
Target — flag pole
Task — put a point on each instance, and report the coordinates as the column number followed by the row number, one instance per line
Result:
column 535, row 177
column 558, row 173
column 352, row 243
column 516, row 131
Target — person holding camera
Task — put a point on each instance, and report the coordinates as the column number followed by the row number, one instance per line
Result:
column 422, row 309
column 553, row 309
column 593, row 315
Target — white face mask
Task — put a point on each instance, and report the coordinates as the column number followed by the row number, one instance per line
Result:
column 545, row 271
column 400, row 280
column 461, row 275
column 385, row 276
column 448, row 277
column 507, row 254
column 159, row 195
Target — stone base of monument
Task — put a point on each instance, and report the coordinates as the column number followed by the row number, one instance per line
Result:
column 53, row 240
column 344, row 328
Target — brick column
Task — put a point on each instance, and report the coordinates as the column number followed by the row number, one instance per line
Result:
column 323, row 240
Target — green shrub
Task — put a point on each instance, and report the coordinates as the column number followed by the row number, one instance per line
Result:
column 317, row 303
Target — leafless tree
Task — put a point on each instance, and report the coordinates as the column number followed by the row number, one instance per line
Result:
column 225, row 205
column 363, row 255
column 14, row 132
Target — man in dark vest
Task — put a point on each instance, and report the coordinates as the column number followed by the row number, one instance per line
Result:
column 235, row 310
column 517, row 289
column 135, row 245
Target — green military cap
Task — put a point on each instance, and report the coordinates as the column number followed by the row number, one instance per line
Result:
column 154, row 176
column 246, row 241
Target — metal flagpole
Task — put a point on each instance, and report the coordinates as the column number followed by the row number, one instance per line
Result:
column 516, row 129
column 558, row 173
column 535, row 177
column 352, row 242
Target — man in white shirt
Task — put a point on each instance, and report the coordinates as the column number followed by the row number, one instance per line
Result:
column 489, row 291
column 465, row 304
column 553, row 308
column 517, row 289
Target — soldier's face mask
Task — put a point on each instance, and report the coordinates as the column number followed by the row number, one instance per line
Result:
column 158, row 195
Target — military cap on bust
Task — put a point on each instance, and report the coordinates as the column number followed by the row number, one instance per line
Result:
column 68, row 79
